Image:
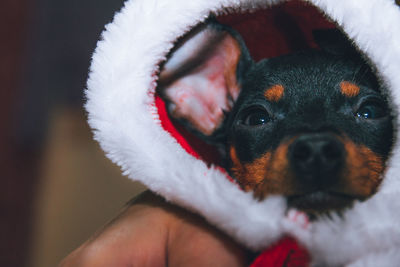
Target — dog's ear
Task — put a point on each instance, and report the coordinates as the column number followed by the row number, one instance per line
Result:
column 334, row 42
column 201, row 79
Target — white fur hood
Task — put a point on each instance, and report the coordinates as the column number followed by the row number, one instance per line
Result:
column 123, row 115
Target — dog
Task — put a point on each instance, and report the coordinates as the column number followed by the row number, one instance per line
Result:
column 312, row 126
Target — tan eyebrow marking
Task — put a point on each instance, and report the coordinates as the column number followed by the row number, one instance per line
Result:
column 349, row 89
column 274, row 93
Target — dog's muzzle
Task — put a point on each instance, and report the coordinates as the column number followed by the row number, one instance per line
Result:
column 316, row 159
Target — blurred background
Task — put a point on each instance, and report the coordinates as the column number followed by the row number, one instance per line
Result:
column 57, row 187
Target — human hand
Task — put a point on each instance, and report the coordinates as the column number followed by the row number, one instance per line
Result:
column 152, row 232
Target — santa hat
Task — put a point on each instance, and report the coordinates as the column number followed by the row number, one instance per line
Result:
column 131, row 125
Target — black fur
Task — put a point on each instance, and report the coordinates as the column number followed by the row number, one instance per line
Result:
column 312, row 102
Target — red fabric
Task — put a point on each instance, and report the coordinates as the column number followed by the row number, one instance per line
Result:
column 286, row 253
column 279, row 30
column 267, row 33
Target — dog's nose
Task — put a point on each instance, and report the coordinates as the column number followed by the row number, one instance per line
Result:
column 316, row 158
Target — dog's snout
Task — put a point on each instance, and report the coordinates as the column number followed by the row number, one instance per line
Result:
column 316, row 158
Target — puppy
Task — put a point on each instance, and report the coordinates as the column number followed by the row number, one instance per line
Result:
column 310, row 126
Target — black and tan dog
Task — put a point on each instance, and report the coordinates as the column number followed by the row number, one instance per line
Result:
column 311, row 126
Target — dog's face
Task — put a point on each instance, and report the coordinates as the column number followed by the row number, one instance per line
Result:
column 310, row 126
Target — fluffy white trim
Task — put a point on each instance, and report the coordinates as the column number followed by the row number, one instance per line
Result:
column 120, row 98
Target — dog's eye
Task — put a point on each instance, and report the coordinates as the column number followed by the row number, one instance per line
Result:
column 371, row 110
column 256, row 117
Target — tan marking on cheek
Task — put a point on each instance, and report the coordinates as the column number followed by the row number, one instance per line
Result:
column 257, row 170
column 363, row 171
column 275, row 93
column 349, row 89
column 249, row 174
column 238, row 168
column 278, row 178
column 266, row 175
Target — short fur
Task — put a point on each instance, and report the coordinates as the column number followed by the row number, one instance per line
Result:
column 310, row 126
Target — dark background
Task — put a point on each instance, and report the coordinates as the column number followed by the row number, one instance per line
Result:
column 45, row 48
